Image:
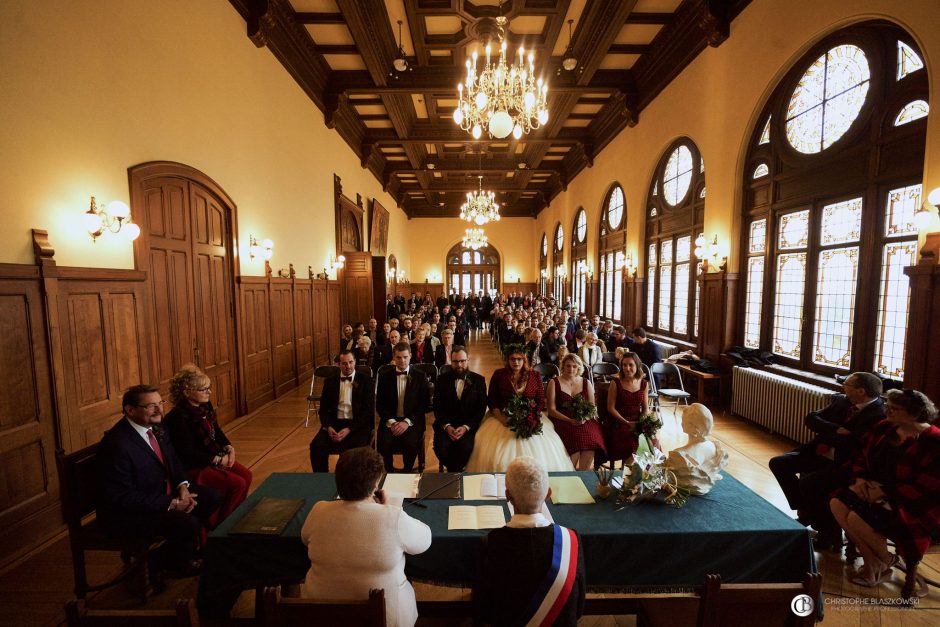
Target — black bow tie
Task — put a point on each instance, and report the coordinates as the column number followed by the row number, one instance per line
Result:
column 349, row 378
column 402, row 374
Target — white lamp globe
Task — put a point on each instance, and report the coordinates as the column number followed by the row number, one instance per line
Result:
column 500, row 124
column 934, row 196
column 543, row 116
column 481, row 100
column 480, row 219
column 458, row 116
column 92, row 222
column 117, row 209
column 529, row 100
column 517, row 131
column 477, row 131
column 131, row 231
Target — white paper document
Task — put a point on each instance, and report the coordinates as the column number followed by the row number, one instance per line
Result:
column 484, row 487
column 475, row 517
column 402, row 485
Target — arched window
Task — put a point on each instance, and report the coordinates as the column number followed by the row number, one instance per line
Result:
column 828, row 226
column 611, row 243
column 674, row 222
column 558, row 289
column 579, row 267
column 473, row 270
column 543, row 265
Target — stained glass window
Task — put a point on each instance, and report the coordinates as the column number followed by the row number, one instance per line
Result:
column 908, row 60
column 698, row 305
column 835, row 306
column 656, row 188
column 680, row 320
column 701, row 166
column 559, row 238
column 757, row 240
column 665, row 296
column 677, row 175
column 788, row 304
column 544, row 245
column 683, row 248
column 665, row 251
column 581, row 228
column 794, row 230
column 765, row 134
column 615, row 207
column 841, row 222
column 827, row 99
column 760, row 170
column 912, row 111
column 651, row 257
column 650, row 294
column 893, row 308
column 902, row 204
column 653, row 212
column 617, row 282
column 755, row 293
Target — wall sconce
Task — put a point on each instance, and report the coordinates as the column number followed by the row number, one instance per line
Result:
column 630, row 265
column 116, row 216
column 585, row 270
column 712, row 252
column 402, row 279
column 260, row 251
column 923, row 217
column 336, row 263
column 543, row 273
column 390, row 275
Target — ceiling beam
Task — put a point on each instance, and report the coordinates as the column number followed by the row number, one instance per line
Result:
column 649, row 18
column 309, row 17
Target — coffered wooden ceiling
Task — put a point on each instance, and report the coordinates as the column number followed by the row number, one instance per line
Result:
column 341, row 53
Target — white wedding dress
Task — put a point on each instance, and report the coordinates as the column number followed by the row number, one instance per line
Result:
column 495, row 446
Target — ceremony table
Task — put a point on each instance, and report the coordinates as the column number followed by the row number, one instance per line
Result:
column 731, row 531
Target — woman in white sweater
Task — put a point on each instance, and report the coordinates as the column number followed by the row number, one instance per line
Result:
column 590, row 353
column 359, row 542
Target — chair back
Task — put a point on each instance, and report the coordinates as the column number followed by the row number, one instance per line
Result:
column 290, row 611
column 322, row 372
column 604, row 369
column 650, row 381
column 609, row 358
column 546, row 370
column 364, row 371
column 444, row 368
column 78, row 484
column 667, row 369
column 185, row 615
column 428, row 369
column 733, row 605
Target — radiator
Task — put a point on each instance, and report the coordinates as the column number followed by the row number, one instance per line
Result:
column 776, row 402
column 667, row 350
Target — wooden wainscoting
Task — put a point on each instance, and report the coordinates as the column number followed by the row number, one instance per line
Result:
column 255, row 314
column 282, row 335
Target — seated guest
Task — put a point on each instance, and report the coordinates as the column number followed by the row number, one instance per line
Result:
column 383, row 355
column 590, row 353
column 532, row 570
column 444, row 351
column 459, row 405
column 627, row 401
column 359, row 542
column 407, row 329
column 375, row 333
column 577, row 341
column 618, row 339
column 459, row 337
column 535, row 350
column 429, row 334
column 143, row 489
column 347, row 413
column 893, row 494
column 365, row 352
column 402, row 398
column 839, row 428
column 346, row 340
column 607, row 328
column 422, row 352
column 647, row 349
column 581, row 439
column 208, row 457
column 551, row 343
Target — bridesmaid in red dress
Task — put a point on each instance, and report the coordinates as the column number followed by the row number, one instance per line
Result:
column 627, row 400
column 581, row 440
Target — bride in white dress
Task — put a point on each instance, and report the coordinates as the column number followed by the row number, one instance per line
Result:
column 495, row 445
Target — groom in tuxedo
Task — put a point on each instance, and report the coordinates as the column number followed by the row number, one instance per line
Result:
column 347, row 413
column 459, row 405
column 402, row 398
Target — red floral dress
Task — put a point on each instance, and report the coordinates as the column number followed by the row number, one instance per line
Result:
column 621, row 441
column 583, row 437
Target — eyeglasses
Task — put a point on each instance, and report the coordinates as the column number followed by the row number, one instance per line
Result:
column 208, row 388
column 152, row 406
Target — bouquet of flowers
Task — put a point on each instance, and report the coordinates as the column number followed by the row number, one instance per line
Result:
column 648, row 478
column 647, row 427
column 581, row 409
column 522, row 417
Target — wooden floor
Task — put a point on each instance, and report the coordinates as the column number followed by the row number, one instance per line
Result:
column 274, row 439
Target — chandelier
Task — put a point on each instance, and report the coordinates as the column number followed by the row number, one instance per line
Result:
column 481, row 207
column 501, row 98
column 475, row 239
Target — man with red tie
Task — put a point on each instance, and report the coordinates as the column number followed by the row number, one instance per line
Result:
column 144, row 492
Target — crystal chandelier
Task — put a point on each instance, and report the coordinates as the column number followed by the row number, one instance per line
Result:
column 500, row 98
column 481, row 207
column 474, row 239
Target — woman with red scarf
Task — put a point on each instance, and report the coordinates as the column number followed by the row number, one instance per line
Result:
column 207, row 455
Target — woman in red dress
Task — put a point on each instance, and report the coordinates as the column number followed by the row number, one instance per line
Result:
column 627, row 401
column 581, row 439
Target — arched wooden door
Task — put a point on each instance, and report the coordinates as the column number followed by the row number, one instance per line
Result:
column 186, row 247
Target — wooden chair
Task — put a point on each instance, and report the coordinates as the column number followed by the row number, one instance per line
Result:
column 280, row 610
column 546, row 371
column 313, row 397
column 78, row 481
column 185, row 615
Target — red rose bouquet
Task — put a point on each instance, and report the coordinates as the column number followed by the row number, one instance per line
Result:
column 522, row 417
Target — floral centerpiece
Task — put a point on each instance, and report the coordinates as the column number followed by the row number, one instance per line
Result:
column 522, row 417
column 647, row 427
column 648, row 478
column 581, row 409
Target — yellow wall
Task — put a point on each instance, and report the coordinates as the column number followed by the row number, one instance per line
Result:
column 88, row 89
column 715, row 102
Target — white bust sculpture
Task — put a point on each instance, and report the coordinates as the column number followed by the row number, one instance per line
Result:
column 698, row 464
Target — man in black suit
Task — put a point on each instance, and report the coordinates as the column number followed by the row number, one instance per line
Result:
column 144, row 491
column 519, row 582
column 459, row 405
column 402, row 399
column 811, row 471
column 383, row 354
column 347, row 413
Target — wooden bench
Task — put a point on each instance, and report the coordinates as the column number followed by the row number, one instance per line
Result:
column 703, row 378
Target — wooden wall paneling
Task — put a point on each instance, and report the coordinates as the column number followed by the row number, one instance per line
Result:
column 591, row 297
column 29, row 504
column 256, row 329
column 334, row 319
column 716, row 322
column 523, row 287
column 379, row 289
column 436, row 290
column 322, row 331
column 282, row 335
column 303, row 328
column 923, row 342
column 356, row 278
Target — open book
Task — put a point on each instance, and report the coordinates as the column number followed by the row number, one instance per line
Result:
column 475, row 517
column 484, row 487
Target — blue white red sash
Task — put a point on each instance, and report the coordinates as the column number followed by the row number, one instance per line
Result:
column 552, row 594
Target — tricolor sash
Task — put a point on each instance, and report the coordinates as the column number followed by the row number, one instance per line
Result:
column 553, row 592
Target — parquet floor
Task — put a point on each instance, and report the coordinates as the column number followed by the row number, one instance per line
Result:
column 274, row 439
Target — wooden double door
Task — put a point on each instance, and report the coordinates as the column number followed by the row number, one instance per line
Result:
column 186, row 246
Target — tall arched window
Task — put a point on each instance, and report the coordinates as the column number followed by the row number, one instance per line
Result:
column 676, row 208
column 611, row 245
column 558, row 290
column 579, row 267
column 473, row 270
column 543, row 265
column 832, row 181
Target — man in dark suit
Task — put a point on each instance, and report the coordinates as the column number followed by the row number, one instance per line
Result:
column 375, row 333
column 347, row 413
column 459, row 405
column 811, row 471
column 647, row 350
column 402, row 399
column 520, row 582
column 383, row 354
column 144, row 491
column 392, row 308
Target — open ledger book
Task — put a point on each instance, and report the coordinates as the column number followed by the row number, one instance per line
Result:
column 484, row 487
column 475, row 517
